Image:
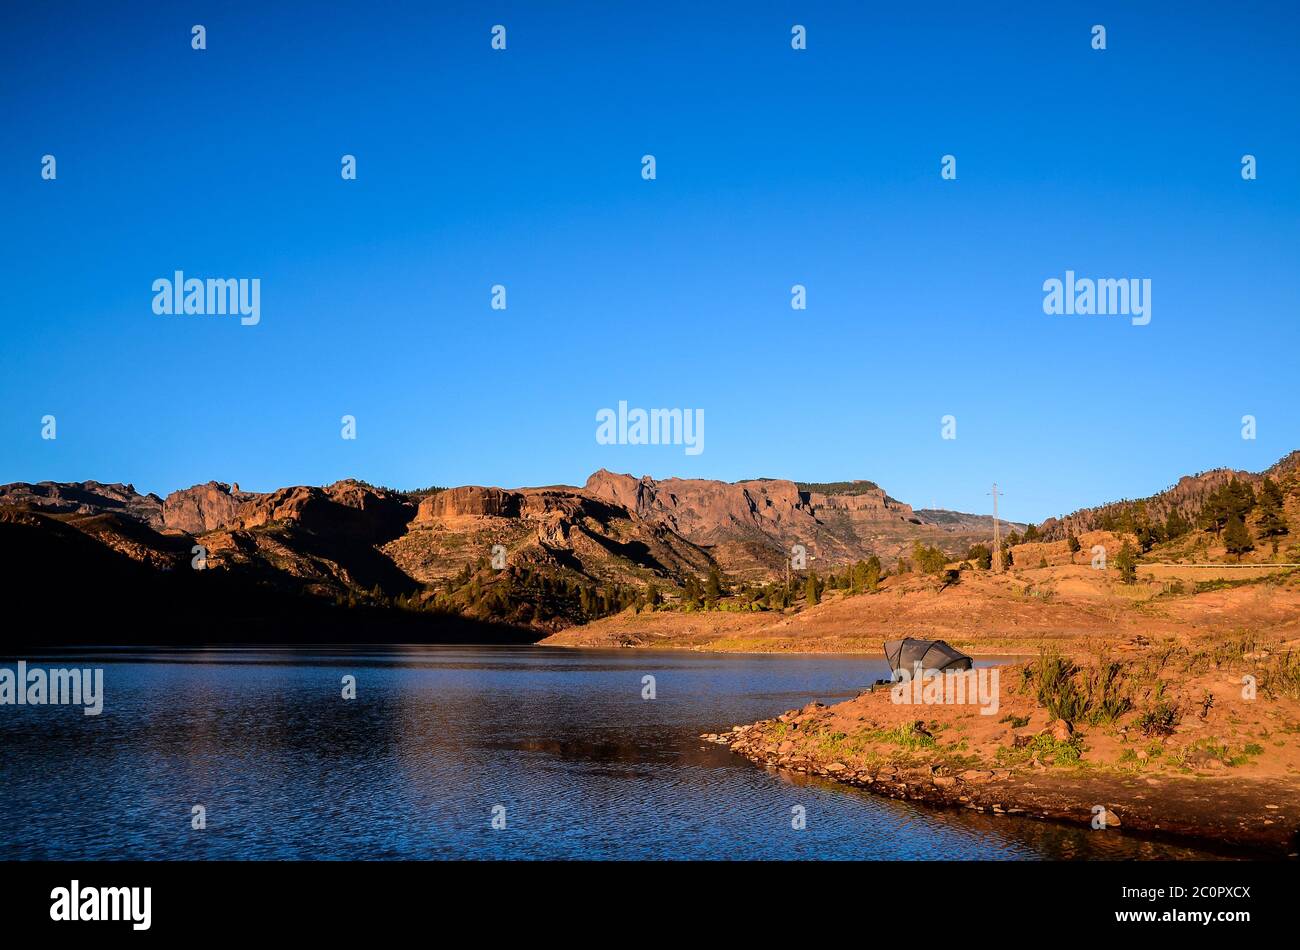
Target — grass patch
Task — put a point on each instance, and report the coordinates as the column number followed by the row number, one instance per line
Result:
column 905, row 737
column 1045, row 748
column 1223, row 583
column 1201, row 751
column 1280, row 676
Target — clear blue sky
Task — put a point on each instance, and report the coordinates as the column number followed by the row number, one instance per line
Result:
column 775, row 167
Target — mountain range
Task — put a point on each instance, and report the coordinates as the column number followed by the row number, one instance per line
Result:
column 524, row 561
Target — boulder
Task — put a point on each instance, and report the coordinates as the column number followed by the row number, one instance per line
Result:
column 1060, row 730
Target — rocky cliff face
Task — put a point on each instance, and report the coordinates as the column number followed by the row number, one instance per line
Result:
column 345, row 509
column 207, row 507
column 555, row 529
column 874, row 502
column 616, row 529
column 751, row 526
column 469, row 501
column 84, row 498
column 709, row 512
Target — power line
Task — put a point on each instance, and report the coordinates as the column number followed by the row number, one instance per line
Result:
column 997, row 532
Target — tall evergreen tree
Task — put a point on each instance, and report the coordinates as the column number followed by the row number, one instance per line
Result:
column 692, row 593
column 858, row 577
column 811, row 593
column 1272, row 516
column 874, row 571
column 1235, row 499
column 1236, row 536
column 712, row 587
column 1126, row 563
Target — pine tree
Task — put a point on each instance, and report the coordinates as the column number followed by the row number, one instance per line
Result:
column 692, row 593
column 1272, row 516
column 1126, row 563
column 874, row 570
column 811, row 594
column 1234, row 500
column 712, row 587
column 1236, row 537
column 1214, row 513
column 928, row 559
column 1270, row 494
column 774, row 596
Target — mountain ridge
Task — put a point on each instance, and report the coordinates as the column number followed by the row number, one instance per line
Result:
column 543, row 558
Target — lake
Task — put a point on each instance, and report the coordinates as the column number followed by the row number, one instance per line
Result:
column 558, row 746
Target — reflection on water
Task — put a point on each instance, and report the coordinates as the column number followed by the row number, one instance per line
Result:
column 438, row 736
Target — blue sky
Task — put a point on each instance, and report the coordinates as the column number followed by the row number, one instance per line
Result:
column 775, row 167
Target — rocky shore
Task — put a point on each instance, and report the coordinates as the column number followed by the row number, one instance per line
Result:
column 1050, row 772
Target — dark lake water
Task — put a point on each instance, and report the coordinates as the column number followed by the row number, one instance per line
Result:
column 436, row 740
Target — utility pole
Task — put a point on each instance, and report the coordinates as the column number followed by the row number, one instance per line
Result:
column 997, row 532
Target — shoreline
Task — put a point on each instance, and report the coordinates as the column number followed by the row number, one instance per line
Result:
column 1180, row 811
column 52, row 649
column 878, row 653
column 1167, row 744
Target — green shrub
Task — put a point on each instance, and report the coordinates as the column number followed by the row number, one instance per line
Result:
column 1101, row 698
column 1159, row 720
column 1057, row 691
